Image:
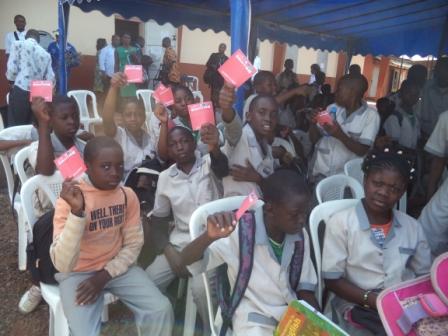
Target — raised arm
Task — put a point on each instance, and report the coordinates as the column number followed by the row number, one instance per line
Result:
column 45, row 151
column 233, row 128
column 162, row 146
column 110, row 104
column 219, row 162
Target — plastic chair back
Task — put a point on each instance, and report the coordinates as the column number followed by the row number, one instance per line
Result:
column 353, row 169
column 19, row 163
column 198, row 96
column 146, row 96
column 334, row 188
column 192, row 82
column 81, row 99
column 323, row 212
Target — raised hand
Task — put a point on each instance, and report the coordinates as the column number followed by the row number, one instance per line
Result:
column 227, row 96
column 118, row 80
column 210, row 136
column 72, row 194
column 220, row 225
column 41, row 110
column 161, row 113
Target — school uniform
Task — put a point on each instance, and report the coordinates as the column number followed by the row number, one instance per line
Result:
column 352, row 251
column 403, row 128
column 134, row 154
column 330, row 154
column 268, row 292
column 241, row 146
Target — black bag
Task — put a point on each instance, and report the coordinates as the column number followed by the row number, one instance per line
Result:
column 38, row 251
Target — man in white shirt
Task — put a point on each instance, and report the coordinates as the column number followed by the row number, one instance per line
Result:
column 107, row 61
column 17, row 35
column 27, row 61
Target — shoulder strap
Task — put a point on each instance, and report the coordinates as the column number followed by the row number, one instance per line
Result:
column 16, row 36
column 295, row 266
column 399, row 117
column 228, row 303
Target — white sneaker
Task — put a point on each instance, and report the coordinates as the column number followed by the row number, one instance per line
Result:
column 30, row 300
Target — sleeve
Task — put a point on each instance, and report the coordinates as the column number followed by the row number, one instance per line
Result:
column 438, row 141
column 392, row 127
column 102, row 59
column 233, row 130
column 132, row 232
column 214, row 256
column 219, row 164
column 371, row 128
column 308, row 278
column 335, row 252
column 13, row 66
column 7, row 43
column 421, row 260
column 68, row 230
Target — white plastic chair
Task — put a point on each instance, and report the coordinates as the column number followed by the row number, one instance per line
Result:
column 81, row 99
column 51, row 186
column 192, row 82
column 323, row 212
column 146, row 96
column 198, row 95
column 198, row 222
column 7, row 98
column 19, row 163
column 334, row 187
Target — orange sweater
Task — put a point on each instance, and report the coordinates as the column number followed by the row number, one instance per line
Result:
column 109, row 236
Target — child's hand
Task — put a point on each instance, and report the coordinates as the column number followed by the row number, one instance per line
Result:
column 72, row 194
column 88, row 290
column 245, row 174
column 118, row 80
column 210, row 136
column 278, row 152
column 333, row 129
column 227, row 96
column 220, row 225
column 161, row 113
column 41, row 110
column 174, row 258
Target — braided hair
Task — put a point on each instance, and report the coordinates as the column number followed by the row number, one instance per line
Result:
column 389, row 158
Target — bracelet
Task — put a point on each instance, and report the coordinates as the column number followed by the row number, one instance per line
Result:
column 365, row 299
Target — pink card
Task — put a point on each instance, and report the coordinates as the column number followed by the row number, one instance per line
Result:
column 42, row 89
column 164, row 95
column 70, row 164
column 134, row 73
column 201, row 114
column 237, row 69
column 324, row 118
column 248, row 202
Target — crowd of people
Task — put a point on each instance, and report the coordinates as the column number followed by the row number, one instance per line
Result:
column 124, row 226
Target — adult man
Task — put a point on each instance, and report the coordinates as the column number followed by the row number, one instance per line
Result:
column 27, row 61
column 71, row 56
column 170, row 65
column 287, row 78
column 17, row 35
column 107, row 61
column 211, row 76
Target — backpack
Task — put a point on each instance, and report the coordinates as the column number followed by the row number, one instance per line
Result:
column 38, row 251
column 228, row 302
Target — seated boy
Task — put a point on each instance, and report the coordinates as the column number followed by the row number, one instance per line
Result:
column 97, row 236
column 350, row 135
column 190, row 182
column 279, row 229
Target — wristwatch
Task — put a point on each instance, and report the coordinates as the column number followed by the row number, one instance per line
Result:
column 365, row 299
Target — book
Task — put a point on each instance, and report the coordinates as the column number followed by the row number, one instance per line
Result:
column 200, row 114
column 237, row 69
column 71, row 164
column 301, row 319
column 134, row 73
column 42, row 89
column 164, row 95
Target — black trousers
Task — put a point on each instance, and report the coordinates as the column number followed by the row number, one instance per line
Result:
column 19, row 111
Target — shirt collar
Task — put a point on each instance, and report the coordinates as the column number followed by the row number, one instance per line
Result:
column 363, row 220
column 359, row 111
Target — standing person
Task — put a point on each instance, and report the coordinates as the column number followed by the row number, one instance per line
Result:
column 72, row 57
column 354, row 69
column 17, row 35
column 98, row 86
column 418, row 74
column 107, row 61
column 124, row 55
column 27, row 61
column 212, row 77
column 315, row 68
column 287, row 78
column 170, row 65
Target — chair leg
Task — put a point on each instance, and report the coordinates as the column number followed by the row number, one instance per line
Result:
column 105, row 314
column 190, row 313
column 22, row 239
column 60, row 322
column 51, row 322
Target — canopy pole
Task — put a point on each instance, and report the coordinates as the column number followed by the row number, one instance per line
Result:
column 240, row 23
column 252, row 52
column 63, row 13
column 443, row 38
column 349, row 55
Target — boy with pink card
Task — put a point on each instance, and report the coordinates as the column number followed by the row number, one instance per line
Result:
column 237, row 69
column 42, row 89
column 201, row 114
column 134, row 73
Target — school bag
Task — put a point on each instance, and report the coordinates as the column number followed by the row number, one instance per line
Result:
column 417, row 307
column 228, row 302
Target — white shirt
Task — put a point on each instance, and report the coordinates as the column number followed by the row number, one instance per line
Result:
column 330, row 154
column 10, row 39
column 406, row 132
column 269, row 291
column 438, row 141
column 107, row 60
column 28, row 61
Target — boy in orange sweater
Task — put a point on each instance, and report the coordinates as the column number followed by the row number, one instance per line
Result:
column 97, row 237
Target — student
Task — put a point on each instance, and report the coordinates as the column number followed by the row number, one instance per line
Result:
column 58, row 128
column 403, row 126
column 279, row 227
column 248, row 148
column 134, row 140
column 97, row 236
column 351, row 134
column 385, row 107
column 372, row 246
column 190, row 182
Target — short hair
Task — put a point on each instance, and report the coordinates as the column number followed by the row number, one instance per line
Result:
column 259, row 97
column 357, row 82
column 95, row 145
column 133, row 100
column 61, row 100
column 315, row 66
column 34, row 34
column 282, row 184
column 386, row 103
column 182, row 129
column 409, row 85
column 263, row 76
column 180, row 87
column 417, row 73
column 19, row 16
column 389, row 158
column 354, row 69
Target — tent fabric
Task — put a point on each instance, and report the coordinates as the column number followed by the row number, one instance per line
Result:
column 381, row 27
